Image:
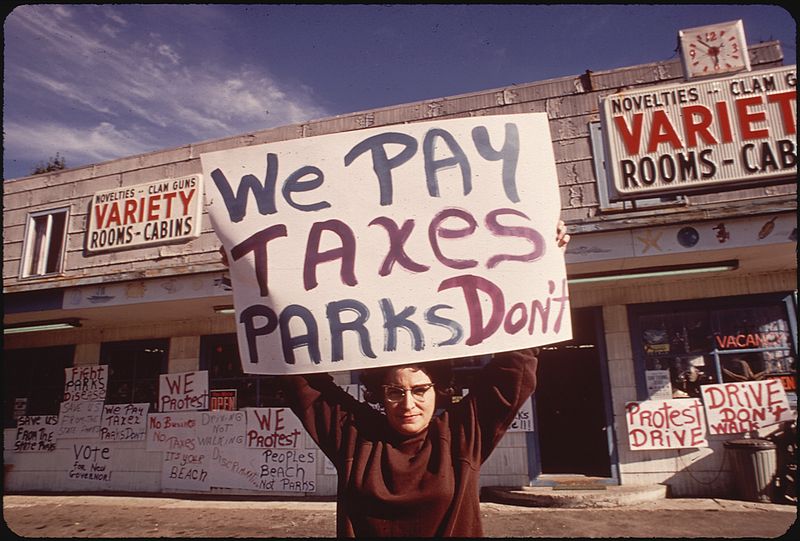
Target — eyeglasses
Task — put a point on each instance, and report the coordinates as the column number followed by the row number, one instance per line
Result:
column 394, row 394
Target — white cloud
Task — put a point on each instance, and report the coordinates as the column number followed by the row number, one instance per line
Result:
column 104, row 141
column 167, row 51
column 86, row 60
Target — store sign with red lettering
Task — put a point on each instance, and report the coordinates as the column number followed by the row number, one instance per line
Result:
column 687, row 137
column 404, row 243
column 222, row 399
column 733, row 408
column 666, row 424
column 158, row 212
column 752, row 340
column 273, row 428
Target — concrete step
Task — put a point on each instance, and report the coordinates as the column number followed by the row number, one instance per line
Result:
column 576, row 496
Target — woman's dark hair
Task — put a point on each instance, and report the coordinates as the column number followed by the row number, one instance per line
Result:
column 440, row 372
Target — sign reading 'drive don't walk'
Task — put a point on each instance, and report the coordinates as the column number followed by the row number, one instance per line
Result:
column 384, row 246
column 166, row 210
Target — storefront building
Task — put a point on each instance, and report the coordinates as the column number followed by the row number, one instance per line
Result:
column 682, row 272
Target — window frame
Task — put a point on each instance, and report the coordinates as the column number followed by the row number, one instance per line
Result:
column 266, row 386
column 34, row 356
column 108, row 349
column 712, row 307
column 40, row 254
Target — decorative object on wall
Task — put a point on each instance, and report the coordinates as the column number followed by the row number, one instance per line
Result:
column 650, row 240
column 688, row 237
column 714, row 49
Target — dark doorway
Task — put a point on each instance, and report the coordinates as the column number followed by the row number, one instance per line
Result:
column 570, row 407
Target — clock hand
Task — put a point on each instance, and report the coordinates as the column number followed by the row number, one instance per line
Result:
column 703, row 43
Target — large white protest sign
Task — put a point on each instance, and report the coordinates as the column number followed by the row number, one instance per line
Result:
column 273, row 428
column 221, row 428
column 90, row 462
column 186, row 391
column 124, row 422
column 390, row 245
column 85, row 382
column 733, row 408
column 172, row 431
column 666, row 424
column 80, row 419
column 185, row 470
column 267, row 470
column 36, row 433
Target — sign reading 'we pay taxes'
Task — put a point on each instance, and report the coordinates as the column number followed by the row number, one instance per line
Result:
column 406, row 243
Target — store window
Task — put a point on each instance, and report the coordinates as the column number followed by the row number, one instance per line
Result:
column 33, row 381
column 228, row 384
column 45, row 239
column 680, row 346
column 134, row 368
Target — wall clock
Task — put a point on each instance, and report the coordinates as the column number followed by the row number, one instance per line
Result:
column 714, row 49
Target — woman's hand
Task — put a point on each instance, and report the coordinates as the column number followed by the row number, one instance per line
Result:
column 561, row 234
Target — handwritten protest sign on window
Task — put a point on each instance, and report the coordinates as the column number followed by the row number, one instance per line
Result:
column 391, row 245
column 172, row 431
column 124, row 422
column 733, row 408
column 36, row 433
column 185, row 469
column 267, row 470
column 185, row 462
column 86, row 382
column 273, row 428
column 90, row 462
column 221, row 428
column 80, row 419
column 666, row 424
column 186, row 391
column 523, row 420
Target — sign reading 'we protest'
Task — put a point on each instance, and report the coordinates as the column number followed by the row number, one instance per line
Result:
column 391, row 245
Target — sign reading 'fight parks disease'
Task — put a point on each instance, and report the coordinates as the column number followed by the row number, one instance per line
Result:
column 158, row 212
column 391, row 245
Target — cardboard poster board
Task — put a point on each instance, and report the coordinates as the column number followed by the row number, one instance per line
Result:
column 36, row 433
column 273, row 428
column 124, row 422
column 185, row 391
column 80, row 419
column 733, row 408
column 91, row 462
column 666, row 424
column 86, row 382
column 391, row 245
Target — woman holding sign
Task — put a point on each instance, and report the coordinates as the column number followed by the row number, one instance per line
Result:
column 404, row 472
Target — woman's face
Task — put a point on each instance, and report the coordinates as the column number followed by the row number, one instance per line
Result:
column 409, row 414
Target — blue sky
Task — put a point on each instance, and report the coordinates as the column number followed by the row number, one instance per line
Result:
column 98, row 82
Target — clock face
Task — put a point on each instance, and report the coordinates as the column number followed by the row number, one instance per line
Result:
column 714, row 50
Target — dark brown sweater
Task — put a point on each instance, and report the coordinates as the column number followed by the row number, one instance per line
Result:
column 424, row 485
